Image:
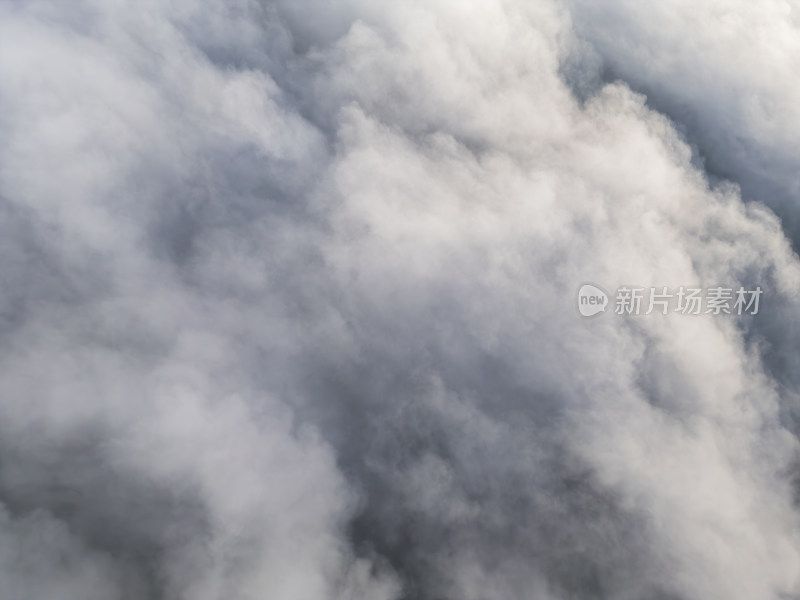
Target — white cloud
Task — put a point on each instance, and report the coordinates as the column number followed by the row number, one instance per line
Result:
column 287, row 309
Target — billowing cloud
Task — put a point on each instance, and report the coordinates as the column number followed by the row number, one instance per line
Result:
column 288, row 306
column 725, row 71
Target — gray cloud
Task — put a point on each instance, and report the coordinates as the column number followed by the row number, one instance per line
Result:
column 287, row 310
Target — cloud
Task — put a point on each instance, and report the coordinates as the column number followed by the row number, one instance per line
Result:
column 288, row 311
column 724, row 70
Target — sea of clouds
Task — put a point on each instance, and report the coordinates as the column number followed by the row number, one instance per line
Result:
column 287, row 300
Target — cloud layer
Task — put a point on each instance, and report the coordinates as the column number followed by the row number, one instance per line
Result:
column 287, row 301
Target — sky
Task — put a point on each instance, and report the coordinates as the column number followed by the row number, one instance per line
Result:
column 288, row 300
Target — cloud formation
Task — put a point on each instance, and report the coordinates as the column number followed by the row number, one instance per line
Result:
column 287, row 303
